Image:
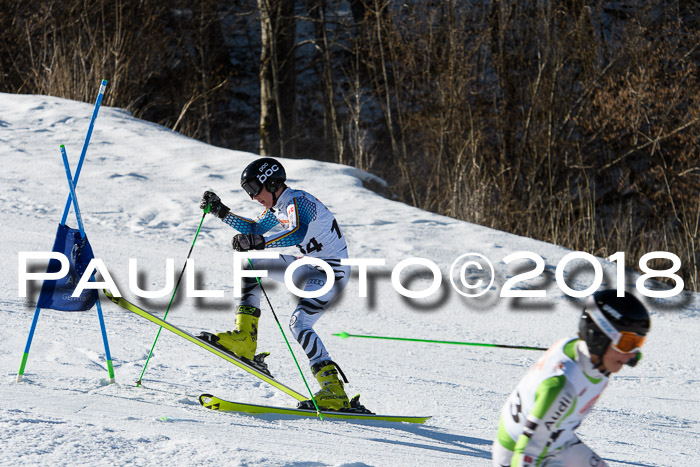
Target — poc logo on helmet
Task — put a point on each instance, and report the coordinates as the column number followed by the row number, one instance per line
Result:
column 264, row 176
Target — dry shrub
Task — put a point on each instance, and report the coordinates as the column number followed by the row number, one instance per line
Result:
column 545, row 127
column 164, row 61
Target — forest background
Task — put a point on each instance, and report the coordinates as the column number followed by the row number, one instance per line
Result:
column 574, row 121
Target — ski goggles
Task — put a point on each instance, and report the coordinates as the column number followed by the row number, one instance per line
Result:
column 622, row 341
column 628, row 342
column 253, row 187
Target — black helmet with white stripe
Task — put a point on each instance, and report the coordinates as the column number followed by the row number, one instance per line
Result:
column 609, row 320
column 266, row 172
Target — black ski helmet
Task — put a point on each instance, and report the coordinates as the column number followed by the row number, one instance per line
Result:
column 265, row 172
column 605, row 315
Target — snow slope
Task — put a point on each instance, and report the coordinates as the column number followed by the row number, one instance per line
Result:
column 139, row 193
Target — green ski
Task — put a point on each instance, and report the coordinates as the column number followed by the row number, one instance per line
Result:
column 226, row 356
column 214, row 403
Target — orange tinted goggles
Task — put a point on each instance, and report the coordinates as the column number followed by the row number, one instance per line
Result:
column 628, row 342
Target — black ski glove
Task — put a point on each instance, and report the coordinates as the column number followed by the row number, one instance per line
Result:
column 245, row 242
column 219, row 209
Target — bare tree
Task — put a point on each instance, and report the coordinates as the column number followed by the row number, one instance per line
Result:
column 277, row 78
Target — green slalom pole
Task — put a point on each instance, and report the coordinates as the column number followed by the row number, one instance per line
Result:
column 318, row 411
column 345, row 335
column 206, row 210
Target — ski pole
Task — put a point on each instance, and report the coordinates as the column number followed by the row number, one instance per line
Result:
column 206, row 210
column 318, row 411
column 81, row 228
column 345, row 335
column 76, row 175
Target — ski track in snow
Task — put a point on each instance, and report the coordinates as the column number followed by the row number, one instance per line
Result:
column 139, row 192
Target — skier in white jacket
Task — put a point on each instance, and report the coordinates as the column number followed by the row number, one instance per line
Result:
column 307, row 224
column 538, row 421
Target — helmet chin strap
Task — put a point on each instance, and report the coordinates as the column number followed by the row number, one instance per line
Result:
column 274, row 195
column 599, row 366
column 596, row 365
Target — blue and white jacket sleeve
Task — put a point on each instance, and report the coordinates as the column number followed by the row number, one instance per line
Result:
column 259, row 226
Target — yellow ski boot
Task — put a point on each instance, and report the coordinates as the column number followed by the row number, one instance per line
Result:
column 242, row 341
column 332, row 394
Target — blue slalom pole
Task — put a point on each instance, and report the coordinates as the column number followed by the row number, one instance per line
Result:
column 25, row 355
column 98, row 102
column 72, row 196
column 78, row 216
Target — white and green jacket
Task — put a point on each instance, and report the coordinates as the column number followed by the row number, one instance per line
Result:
column 550, row 402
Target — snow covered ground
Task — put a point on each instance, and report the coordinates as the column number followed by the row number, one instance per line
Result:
column 139, row 192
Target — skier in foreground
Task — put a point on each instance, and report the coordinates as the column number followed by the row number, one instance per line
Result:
column 539, row 418
column 308, row 225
